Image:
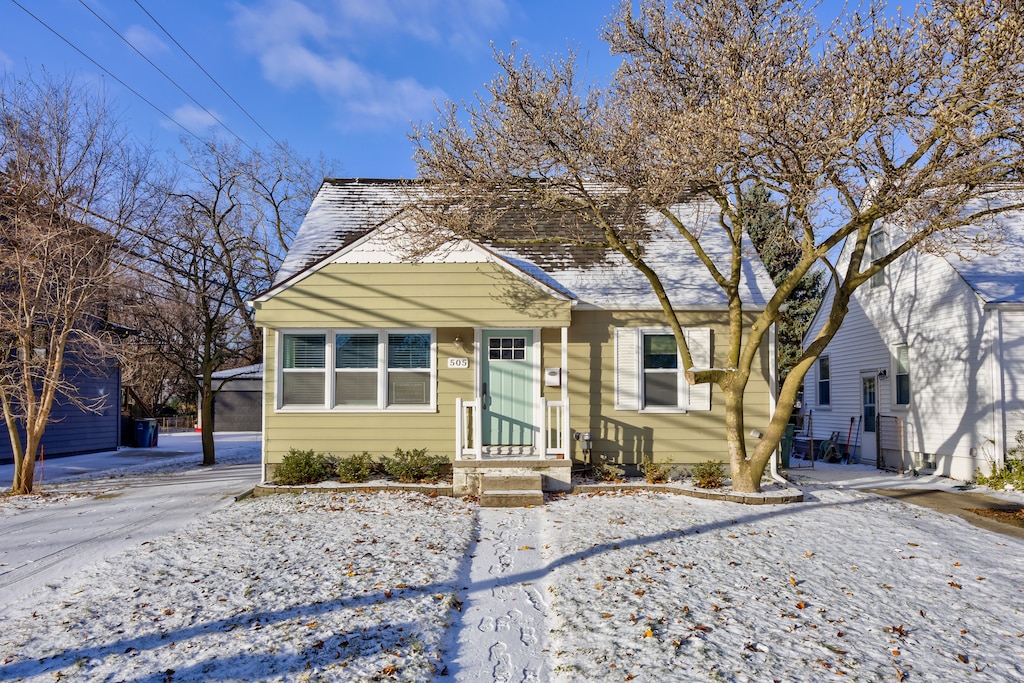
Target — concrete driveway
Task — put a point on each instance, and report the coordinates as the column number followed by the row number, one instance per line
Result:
column 45, row 539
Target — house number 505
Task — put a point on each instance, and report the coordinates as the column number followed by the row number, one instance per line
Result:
column 462, row 363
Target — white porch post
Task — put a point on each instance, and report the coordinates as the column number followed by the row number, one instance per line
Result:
column 566, row 435
column 460, row 427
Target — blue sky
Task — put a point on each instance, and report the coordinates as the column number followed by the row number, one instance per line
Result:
column 341, row 77
column 345, row 78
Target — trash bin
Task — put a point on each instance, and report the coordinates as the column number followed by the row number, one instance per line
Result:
column 786, row 446
column 145, row 433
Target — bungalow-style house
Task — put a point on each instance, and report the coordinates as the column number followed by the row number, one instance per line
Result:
column 525, row 356
column 927, row 370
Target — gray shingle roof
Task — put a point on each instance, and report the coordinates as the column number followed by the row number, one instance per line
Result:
column 345, row 210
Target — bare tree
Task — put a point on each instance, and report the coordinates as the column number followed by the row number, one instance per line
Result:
column 233, row 213
column 70, row 181
column 908, row 120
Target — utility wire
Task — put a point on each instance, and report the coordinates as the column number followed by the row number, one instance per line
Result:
column 164, row 74
column 109, row 73
column 208, row 75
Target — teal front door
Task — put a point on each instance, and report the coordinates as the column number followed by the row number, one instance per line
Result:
column 507, row 376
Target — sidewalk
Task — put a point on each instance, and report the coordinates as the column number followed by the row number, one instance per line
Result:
column 867, row 477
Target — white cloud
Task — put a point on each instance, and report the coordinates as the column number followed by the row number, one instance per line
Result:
column 193, row 118
column 326, row 48
column 145, row 41
column 5, row 61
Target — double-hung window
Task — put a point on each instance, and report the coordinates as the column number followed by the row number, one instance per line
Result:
column 903, row 375
column 824, row 382
column 303, row 378
column 876, row 250
column 649, row 372
column 370, row 370
column 662, row 383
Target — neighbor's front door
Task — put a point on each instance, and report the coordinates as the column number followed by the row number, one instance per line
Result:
column 867, row 452
column 507, row 378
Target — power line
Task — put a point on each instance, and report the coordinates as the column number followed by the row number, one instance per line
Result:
column 208, row 75
column 109, row 73
column 164, row 74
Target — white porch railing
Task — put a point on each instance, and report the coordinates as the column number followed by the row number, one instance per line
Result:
column 553, row 429
column 467, row 430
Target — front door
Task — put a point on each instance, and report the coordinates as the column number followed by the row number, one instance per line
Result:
column 866, row 452
column 507, row 387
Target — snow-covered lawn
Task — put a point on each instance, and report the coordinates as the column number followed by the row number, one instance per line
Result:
column 283, row 588
column 660, row 587
column 645, row 587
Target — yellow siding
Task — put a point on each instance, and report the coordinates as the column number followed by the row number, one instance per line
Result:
column 627, row 436
column 623, row 436
column 377, row 432
column 413, row 295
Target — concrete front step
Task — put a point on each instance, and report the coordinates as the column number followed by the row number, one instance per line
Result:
column 468, row 476
column 511, row 499
column 510, row 490
column 500, row 481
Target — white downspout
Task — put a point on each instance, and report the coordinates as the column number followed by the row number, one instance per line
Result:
column 773, row 381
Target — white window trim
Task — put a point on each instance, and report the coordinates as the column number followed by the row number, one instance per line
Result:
column 682, row 393
column 894, row 373
column 879, row 279
column 817, row 383
column 330, row 371
column 629, row 371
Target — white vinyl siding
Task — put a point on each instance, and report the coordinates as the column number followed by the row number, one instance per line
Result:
column 649, row 373
column 928, row 307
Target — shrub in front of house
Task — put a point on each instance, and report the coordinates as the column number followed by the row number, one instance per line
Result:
column 1011, row 474
column 709, row 474
column 655, row 473
column 355, row 468
column 303, row 467
column 414, row 465
column 606, row 471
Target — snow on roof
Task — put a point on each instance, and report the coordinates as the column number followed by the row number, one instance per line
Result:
column 997, row 277
column 246, row 372
column 346, row 210
column 343, row 211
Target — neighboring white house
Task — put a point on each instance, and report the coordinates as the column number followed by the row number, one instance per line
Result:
column 927, row 370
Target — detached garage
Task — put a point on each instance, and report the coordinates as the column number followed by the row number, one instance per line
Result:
column 237, row 401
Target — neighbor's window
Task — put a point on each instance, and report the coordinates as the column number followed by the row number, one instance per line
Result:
column 903, row 375
column 824, row 382
column 302, row 376
column 662, row 378
column 372, row 369
column 876, row 250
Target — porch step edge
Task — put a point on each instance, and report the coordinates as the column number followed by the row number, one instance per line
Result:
column 495, row 481
column 511, row 499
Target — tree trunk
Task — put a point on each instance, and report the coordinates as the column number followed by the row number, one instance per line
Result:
column 746, row 477
column 206, row 420
column 25, row 468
